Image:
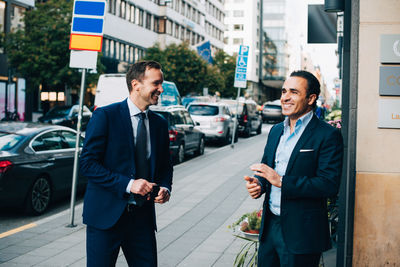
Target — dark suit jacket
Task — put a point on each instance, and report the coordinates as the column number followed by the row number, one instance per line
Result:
column 108, row 161
column 313, row 174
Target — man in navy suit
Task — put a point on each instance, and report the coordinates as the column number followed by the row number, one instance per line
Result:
column 125, row 156
column 300, row 168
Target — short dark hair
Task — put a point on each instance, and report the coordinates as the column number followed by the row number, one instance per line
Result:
column 138, row 69
column 313, row 85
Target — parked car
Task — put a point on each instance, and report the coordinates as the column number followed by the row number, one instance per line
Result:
column 249, row 119
column 272, row 111
column 67, row 116
column 184, row 134
column 112, row 88
column 215, row 121
column 36, row 164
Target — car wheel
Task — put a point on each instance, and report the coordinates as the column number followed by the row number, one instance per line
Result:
column 200, row 150
column 259, row 129
column 236, row 136
column 39, row 196
column 180, row 156
column 228, row 138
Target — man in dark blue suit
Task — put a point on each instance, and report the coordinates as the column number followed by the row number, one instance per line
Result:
column 126, row 158
column 300, row 168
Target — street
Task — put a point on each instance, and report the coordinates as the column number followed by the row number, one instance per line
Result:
column 208, row 195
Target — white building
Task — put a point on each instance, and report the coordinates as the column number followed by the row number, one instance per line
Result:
column 132, row 26
column 242, row 24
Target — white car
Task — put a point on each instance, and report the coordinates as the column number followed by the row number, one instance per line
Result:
column 215, row 121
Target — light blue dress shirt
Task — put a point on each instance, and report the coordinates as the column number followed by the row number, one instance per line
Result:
column 285, row 148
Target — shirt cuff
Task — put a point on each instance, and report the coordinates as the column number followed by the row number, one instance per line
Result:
column 128, row 188
column 169, row 192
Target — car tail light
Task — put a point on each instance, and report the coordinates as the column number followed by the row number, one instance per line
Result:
column 95, row 107
column 172, row 135
column 245, row 118
column 219, row 119
column 5, row 165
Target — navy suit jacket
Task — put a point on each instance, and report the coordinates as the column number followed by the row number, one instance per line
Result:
column 313, row 174
column 108, row 161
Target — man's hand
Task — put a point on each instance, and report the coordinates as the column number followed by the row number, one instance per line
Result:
column 268, row 173
column 163, row 196
column 253, row 187
column 142, row 187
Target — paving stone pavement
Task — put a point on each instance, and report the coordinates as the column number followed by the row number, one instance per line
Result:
column 208, row 195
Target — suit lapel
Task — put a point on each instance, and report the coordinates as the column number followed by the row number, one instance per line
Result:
column 127, row 124
column 153, row 142
column 308, row 131
column 274, row 144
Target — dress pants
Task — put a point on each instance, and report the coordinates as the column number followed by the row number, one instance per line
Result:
column 273, row 251
column 134, row 233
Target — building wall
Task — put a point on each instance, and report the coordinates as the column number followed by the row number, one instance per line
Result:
column 377, row 198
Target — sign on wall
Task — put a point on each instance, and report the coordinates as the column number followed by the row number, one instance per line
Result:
column 390, row 48
column 389, row 113
column 389, row 81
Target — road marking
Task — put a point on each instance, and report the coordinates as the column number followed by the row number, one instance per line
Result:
column 19, row 229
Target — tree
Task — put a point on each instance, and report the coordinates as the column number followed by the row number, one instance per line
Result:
column 40, row 51
column 226, row 65
column 180, row 65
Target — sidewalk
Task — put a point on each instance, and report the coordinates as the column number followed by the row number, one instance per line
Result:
column 193, row 226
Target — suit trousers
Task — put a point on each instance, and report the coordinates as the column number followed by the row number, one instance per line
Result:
column 133, row 232
column 273, row 251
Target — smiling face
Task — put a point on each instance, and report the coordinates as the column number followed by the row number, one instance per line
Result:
column 294, row 99
column 147, row 91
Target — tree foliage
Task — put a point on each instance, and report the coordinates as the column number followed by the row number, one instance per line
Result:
column 189, row 71
column 40, row 51
column 226, row 64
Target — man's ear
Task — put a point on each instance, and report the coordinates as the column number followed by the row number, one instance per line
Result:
column 134, row 84
column 311, row 99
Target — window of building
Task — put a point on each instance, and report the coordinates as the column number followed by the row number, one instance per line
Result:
column 128, row 12
column 111, row 7
column 127, row 53
column 122, row 52
column 132, row 17
column 176, row 32
column 183, row 8
column 131, row 54
column 106, row 47
column 182, row 37
column 148, row 21
column 117, row 50
column 238, row 13
column 238, row 27
column 141, row 14
column 112, row 48
column 117, row 8
column 237, row 41
column 238, row 1
column 169, row 27
column 17, row 13
column 2, row 16
column 161, row 25
column 122, row 9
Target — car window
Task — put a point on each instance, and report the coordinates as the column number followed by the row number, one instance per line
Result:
column 179, row 118
column 165, row 116
column 272, row 107
column 48, row 141
column 188, row 119
column 9, row 141
column 203, row 110
column 69, row 138
column 59, row 111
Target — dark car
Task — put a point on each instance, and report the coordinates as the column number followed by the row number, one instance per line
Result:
column 184, row 134
column 36, row 164
column 67, row 116
column 249, row 118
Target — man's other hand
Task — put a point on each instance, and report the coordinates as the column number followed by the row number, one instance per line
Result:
column 142, row 187
column 253, row 187
column 163, row 196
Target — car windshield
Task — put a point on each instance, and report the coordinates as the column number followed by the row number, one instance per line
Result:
column 59, row 111
column 203, row 110
column 272, row 107
column 9, row 141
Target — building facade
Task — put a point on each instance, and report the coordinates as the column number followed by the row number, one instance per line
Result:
column 132, row 26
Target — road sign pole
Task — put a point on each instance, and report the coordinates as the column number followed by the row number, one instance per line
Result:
column 235, row 125
column 76, row 157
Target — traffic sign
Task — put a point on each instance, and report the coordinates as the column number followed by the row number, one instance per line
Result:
column 241, row 67
column 87, row 25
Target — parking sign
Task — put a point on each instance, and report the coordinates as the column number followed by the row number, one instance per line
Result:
column 241, row 67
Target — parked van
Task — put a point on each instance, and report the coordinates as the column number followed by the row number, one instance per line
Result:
column 112, row 88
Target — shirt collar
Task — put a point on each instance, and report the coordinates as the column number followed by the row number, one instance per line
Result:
column 133, row 109
column 301, row 122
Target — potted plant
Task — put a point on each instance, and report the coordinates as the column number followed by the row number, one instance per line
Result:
column 247, row 227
